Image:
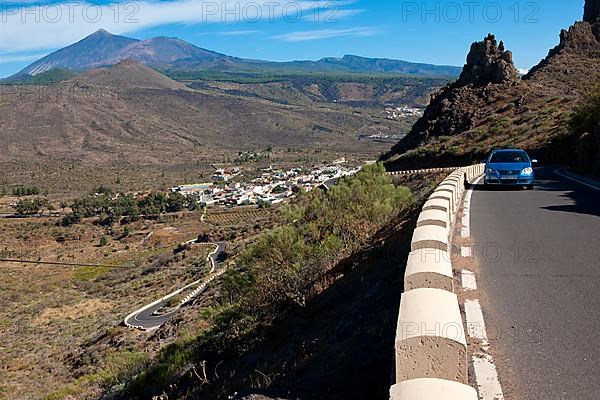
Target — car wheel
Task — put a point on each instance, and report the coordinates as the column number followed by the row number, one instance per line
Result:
column 529, row 187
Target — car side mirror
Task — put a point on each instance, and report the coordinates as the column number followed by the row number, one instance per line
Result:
column 534, row 161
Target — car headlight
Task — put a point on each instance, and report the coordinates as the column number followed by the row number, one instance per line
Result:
column 491, row 171
column 527, row 171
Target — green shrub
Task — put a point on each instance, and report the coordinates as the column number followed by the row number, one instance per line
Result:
column 587, row 115
column 122, row 366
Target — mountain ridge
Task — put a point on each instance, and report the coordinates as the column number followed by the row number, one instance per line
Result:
column 102, row 49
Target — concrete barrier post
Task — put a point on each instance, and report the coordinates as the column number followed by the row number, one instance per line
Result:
column 430, row 337
column 430, row 237
column 429, row 269
column 434, row 217
column 432, row 389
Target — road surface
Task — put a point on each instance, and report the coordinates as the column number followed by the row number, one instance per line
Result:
column 150, row 317
column 538, row 258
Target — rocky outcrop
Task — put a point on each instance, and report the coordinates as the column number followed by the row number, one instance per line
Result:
column 455, row 109
column 591, row 12
column 579, row 38
column 488, row 62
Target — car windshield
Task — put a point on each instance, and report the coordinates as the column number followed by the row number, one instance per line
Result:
column 509, row 157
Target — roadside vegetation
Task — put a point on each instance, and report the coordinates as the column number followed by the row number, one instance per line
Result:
column 285, row 267
column 587, row 116
column 280, row 259
column 585, row 123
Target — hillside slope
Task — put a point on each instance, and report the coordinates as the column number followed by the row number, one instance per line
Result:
column 128, row 74
column 132, row 113
column 490, row 107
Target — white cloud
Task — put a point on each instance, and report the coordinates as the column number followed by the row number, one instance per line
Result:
column 303, row 36
column 330, row 16
column 237, row 33
column 523, row 71
column 48, row 26
column 20, row 57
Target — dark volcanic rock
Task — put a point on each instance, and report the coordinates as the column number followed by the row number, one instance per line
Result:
column 591, row 12
column 488, row 62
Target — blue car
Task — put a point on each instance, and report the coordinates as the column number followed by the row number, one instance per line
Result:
column 509, row 168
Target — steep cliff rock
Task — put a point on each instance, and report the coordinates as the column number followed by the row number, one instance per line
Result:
column 591, row 11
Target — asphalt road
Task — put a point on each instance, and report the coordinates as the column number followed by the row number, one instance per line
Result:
column 538, row 258
column 151, row 317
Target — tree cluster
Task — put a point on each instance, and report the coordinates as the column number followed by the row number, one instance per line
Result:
column 32, row 206
column 23, row 191
column 110, row 207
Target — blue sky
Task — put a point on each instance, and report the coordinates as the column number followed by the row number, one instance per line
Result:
column 438, row 32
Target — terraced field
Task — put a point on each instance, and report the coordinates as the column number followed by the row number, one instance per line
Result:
column 238, row 216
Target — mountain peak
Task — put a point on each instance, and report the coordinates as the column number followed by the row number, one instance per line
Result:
column 90, row 52
column 591, row 11
column 100, row 33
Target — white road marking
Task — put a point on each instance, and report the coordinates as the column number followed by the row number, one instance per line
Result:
column 486, row 376
column 560, row 173
column 468, row 280
column 465, row 251
column 466, row 220
column 475, row 323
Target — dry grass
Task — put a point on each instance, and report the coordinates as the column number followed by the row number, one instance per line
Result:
column 72, row 312
column 61, row 322
column 236, row 216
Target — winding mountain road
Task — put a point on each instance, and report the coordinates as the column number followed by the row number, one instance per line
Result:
column 537, row 256
column 150, row 316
